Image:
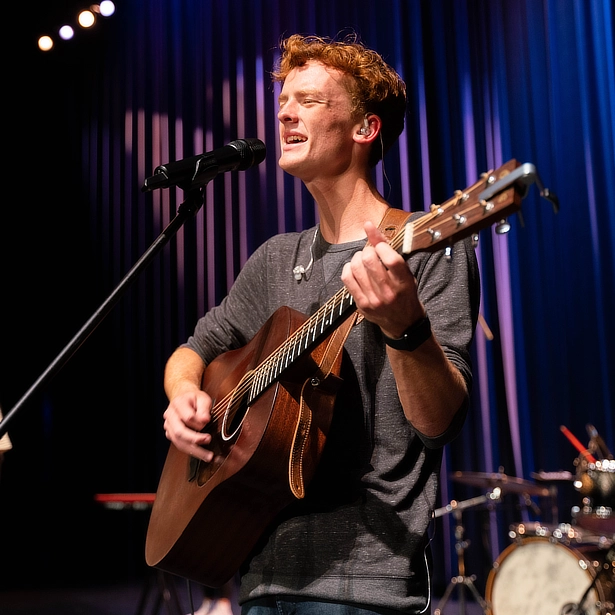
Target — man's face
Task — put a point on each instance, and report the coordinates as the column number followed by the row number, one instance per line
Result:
column 316, row 122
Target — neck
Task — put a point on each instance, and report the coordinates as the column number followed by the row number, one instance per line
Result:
column 344, row 207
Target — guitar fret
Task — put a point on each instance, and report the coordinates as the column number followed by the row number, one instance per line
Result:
column 291, row 357
column 253, row 391
column 278, row 369
column 258, row 383
column 267, row 378
column 332, row 315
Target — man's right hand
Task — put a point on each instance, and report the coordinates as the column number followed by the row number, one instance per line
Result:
column 184, row 419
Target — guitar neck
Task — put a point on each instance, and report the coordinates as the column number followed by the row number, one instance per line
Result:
column 464, row 214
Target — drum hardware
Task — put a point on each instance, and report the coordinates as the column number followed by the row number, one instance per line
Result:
column 462, row 581
column 564, row 533
column 511, row 484
column 578, row 609
column 599, row 520
column 507, row 484
column 595, row 481
column 597, row 444
column 561, row 476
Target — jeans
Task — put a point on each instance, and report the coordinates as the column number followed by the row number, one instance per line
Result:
column 288, row 606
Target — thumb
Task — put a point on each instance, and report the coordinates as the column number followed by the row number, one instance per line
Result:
column 374, row 235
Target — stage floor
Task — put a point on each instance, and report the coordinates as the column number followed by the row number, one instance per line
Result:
column 129, row 599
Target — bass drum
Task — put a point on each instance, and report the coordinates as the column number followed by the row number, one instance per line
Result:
column 540, row 577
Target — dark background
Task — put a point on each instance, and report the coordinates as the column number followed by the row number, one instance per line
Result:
column 96, row 426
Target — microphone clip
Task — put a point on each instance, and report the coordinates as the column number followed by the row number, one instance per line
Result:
column 299, row 272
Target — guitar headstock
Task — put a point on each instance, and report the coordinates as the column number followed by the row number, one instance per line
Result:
column 465, row 213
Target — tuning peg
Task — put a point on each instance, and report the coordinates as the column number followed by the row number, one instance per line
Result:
column 502, row 227
column 436, row 210
column 435, row 235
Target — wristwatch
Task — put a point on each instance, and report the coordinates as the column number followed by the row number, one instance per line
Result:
column 412, row 337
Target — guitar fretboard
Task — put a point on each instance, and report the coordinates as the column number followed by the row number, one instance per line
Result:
column 312, row 330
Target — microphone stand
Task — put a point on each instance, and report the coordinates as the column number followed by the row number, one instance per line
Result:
column 195, row 196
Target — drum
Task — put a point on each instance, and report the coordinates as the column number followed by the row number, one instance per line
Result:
column 564, row 533
column 596, row 482
column 539, row 576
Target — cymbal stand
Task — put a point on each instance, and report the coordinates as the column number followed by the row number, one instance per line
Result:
column 461, row 581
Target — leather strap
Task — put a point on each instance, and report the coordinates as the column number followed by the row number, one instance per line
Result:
column 335, row 345
column 391, row 222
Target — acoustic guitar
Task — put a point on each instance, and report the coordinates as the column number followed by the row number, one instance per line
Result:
column 273, row 406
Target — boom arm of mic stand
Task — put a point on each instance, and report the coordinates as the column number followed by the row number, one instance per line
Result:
column 189, row 208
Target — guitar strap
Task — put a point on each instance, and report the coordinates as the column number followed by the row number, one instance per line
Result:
column 391, row 222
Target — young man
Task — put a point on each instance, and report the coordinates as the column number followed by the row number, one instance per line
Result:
column 357, row 543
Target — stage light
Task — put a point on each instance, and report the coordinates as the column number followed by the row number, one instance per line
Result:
column 45, row 43
column 66, row 33
column 106, row 8
column 86, row 19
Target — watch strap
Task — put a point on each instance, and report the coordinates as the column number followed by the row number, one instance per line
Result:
column 415, row 335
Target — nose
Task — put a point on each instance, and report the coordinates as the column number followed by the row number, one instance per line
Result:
column 287, row 112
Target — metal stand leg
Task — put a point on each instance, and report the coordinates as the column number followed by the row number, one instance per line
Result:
column 166, row 594
column 461, row 581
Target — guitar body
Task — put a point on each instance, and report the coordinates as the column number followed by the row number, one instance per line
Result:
column 207, row 517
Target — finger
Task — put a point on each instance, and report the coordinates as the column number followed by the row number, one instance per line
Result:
column 181, row 423
column 374, row 234
column 367, row 280
column 193, row 409
column 197, row 448
column 393, row 262
column 364, row 267
column 187, row 440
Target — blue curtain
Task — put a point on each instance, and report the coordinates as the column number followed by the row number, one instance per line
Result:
column 487, row 81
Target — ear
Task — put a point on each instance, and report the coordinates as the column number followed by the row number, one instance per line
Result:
column 368, row 129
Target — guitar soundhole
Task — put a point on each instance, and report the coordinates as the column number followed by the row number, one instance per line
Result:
column 234, row 415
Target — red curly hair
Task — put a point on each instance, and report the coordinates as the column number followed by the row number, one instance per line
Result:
column 374, row 86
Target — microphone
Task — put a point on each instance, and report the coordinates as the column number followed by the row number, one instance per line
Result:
column 196, row 171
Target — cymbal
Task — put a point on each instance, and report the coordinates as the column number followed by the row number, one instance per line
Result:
column 510, row 484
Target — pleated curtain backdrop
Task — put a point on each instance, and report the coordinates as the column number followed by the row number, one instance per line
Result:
column 487, row 81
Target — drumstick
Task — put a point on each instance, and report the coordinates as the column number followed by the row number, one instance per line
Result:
column 577, row 444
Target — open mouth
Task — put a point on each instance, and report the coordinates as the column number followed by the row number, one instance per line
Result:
column 290, row 139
